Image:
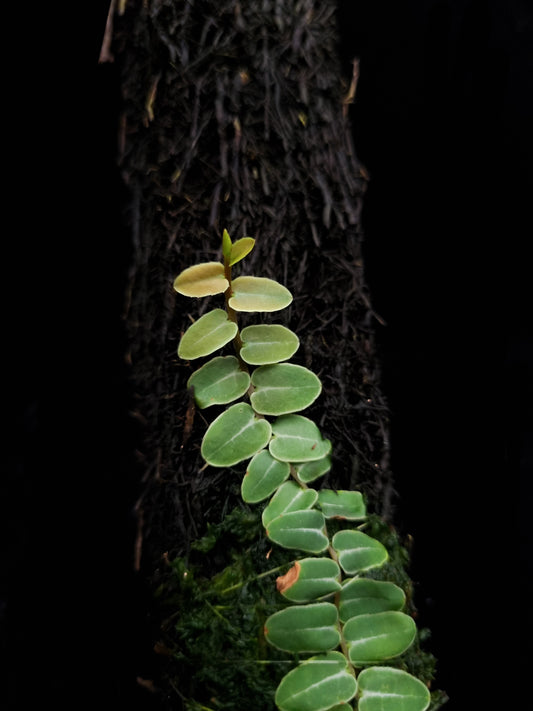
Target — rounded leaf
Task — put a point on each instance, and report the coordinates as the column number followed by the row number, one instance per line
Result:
column 203, row 279
column 356, row 551
column 283, row 388
column 309, row 471
column 297, row 439
column 219, row 381
column 388, row 689
column 263, row 476
column 361, row 596
column 306, row 628
column 237, row 434
column 317, row 684
column 309, row 579
column 289, row 497
column 258, row 294
column 303, row 530
column 347, row 505
column 378, row 636
column 240, row 249
column 264, row 344
column 212, row 331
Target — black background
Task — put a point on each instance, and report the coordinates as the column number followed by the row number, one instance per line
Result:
column 442, row 122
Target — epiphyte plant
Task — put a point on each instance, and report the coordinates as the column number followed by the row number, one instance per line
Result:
column 343, row 626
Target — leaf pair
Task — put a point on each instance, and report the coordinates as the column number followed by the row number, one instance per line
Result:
column 315, row 682
column 239, row 433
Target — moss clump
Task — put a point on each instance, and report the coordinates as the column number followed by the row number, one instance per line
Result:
column 213, row 608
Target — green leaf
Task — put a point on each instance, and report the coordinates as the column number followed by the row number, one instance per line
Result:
column 219, row 381
column 378, row 636
column 226, row 246
column 309, row 471
column 356, row 551
column 264, row 344
column 237, row 434
column 212, row 331
column 283, row 388
column 303, row 530
column 317, row 684
column 306, row 628
column 361, row 596
column 263, row 476
column 389, row 689
column 240, row 249
column 289, row 497
column 342, row 504
column 297, row 439
column 309, row 579
column 202, row 279
column 258, row 294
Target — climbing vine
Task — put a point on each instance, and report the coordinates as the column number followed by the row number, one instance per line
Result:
column 344, row 627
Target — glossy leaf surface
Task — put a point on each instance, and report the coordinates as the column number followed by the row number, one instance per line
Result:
column 235, row 435
column 309, row 579
column 263, row 476
column 289, row 497
column 212, row 331
column 240, row 249
column 283, row 388
column 389, row 689
column 219, row 382
column 304, row 628
column 347, row 505
column 297, row 439
column 303, row 530
column 357, row 551
column 379, row 636
column 309, row 471
column 258, row 294
column 317, row 684
column 203, row 279
column 361, row 596
column 264, row 344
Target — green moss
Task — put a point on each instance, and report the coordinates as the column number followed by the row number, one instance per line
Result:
column 214, row 606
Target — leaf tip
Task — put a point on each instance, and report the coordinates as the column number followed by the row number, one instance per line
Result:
column 284, row 582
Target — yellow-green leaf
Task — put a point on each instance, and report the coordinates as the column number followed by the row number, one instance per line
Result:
column 240, row 249
column 203, row 279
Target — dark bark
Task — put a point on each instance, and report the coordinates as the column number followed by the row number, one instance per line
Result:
column 236, row 116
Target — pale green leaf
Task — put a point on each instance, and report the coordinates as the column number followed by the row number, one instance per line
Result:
column 220, row 381
column 289, row 497
column 309, row 579
column 389, row 689
column 297, row 439
column 361, row 596
column 237, row 434
column 240, row 249
column 378, row 636
column 212, row 331
column 341, row 504
column 304, row 628
column 357, row 552
column 202, row 279
column 309, row 471
column 317, row 684
column 303, row 530
column 264, row 344
column 263, row 476
column 258, row 294
column 283, row 388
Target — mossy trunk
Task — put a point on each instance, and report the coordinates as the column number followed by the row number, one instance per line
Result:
column 236, row 115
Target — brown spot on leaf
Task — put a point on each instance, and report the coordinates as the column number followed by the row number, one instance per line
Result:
column 284, row 582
